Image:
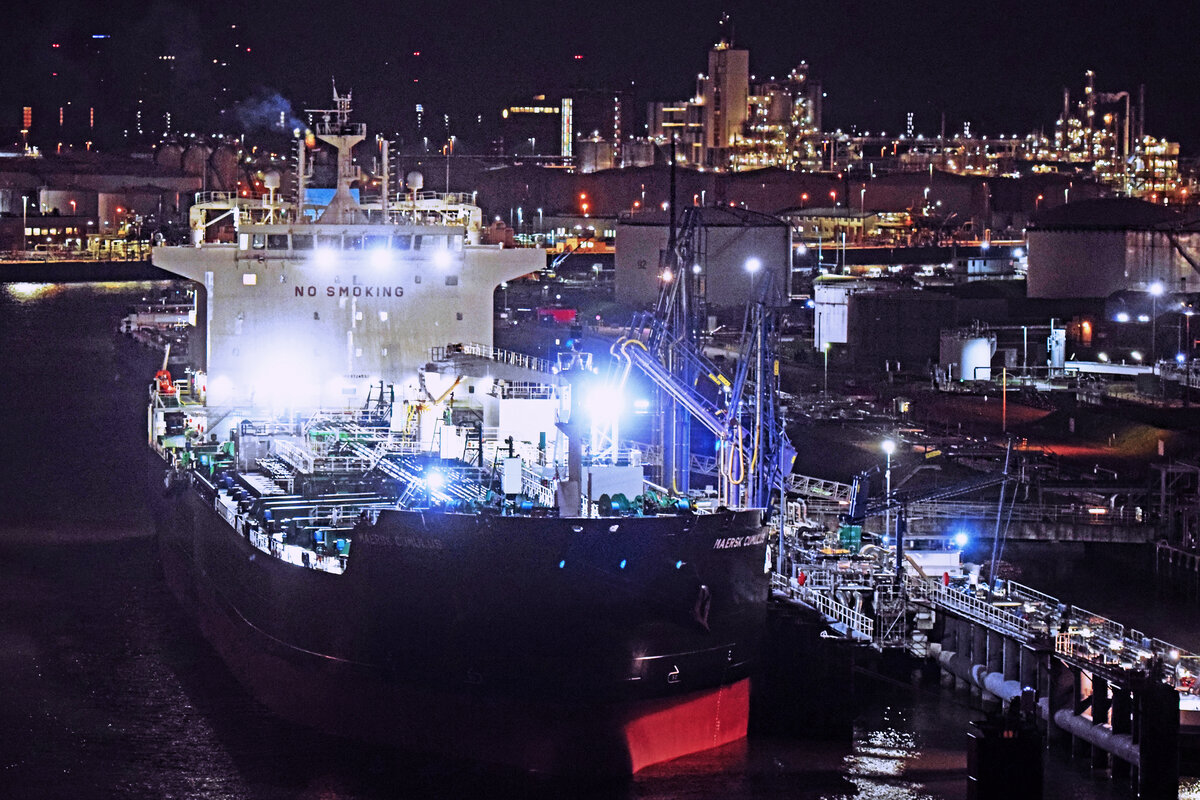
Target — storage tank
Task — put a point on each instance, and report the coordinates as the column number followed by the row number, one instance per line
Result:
column 966, row 355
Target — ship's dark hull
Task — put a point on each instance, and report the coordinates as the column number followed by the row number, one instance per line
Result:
column 559, row 645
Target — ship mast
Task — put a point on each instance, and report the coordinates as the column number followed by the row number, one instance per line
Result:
column 335, row 128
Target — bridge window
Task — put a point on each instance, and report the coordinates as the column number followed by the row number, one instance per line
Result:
column 375, row 242
column 353, row 243
column 452, row 280
column 258, row 241
column 277, row 241
column 402, row 241
column 302, row 241
column 326, row 241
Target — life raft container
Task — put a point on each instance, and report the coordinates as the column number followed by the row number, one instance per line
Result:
column 165, row 384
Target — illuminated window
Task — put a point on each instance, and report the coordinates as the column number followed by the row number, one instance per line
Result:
column 249, row 279
column 258, row 241
column 375, row 242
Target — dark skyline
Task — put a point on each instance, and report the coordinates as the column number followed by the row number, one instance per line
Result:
column 1000, row 66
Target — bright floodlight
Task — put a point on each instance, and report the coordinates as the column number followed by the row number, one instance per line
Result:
column 753, row 265
column 1156, row 288
column 605, row 402
column 888, row 446
column 435, row 480
column 1122, row 316
column 325, row 257
column 1135, row 355
column 960, row 540
column 381, row 258
column 1180, row 357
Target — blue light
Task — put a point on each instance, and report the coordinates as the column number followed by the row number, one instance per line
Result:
column 622, row 563
column 678, row 565
column 961, row 539
column 562, row 563
column 1180, row 358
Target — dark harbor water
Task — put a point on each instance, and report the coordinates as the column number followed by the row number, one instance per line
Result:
column 110, row 692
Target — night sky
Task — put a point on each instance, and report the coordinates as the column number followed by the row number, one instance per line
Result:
column 1000, row 65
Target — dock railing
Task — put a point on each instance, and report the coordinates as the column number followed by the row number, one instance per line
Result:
column 831, row 608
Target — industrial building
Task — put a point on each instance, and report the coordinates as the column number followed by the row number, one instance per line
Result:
column 873, row 325
column 1097, row 247
column 735, row 251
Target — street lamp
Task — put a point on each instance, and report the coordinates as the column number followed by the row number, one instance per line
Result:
column 889, row 447
column 1188, row 311
column 24, row 222
column 1156, row 289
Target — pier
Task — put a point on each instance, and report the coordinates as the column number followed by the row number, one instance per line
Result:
column 1096, row 689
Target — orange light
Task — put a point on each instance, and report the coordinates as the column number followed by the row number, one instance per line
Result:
column 583, row 196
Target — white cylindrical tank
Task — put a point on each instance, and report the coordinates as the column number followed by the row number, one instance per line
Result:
column 966, row 355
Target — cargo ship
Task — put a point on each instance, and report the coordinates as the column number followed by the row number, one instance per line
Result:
column 390, row 529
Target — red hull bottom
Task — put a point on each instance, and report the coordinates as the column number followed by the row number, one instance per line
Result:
column 552, row 738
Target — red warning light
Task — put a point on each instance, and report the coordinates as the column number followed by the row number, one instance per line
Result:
column 578, row 57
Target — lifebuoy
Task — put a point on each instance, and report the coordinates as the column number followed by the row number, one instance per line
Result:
column 165, row 384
